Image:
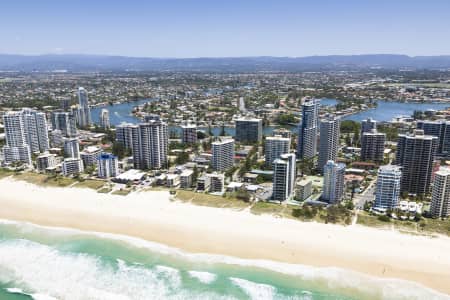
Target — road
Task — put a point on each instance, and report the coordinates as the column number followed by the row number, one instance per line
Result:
column 368, row 195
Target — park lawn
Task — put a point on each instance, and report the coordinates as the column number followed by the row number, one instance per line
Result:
column 122, row 192
column 262, row 207
column 104, row 190
column 44, row 180
column 426, row 226
column 372, row 221
column 5, row 173
column 90, row 183
column 210, row 200
column 434, row 226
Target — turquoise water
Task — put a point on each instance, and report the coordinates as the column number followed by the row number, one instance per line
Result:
column 387, row 110
column 43, row 263
column 119, row 113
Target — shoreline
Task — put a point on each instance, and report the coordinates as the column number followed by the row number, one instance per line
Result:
column 153, row 217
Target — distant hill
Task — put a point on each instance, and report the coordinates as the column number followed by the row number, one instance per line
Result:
column 231, row 64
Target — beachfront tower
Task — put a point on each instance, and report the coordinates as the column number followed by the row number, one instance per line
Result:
column 151, row 148
column 388, row 187
column 439, row 129
column 415, row 154
column 333, row 182
column 107, row 165
column 72, row 148
column 284, row 177
column 16, row 148
column 440, row 196
column 36, row 130
column 329, row 141
column 274, row 147
column 222, row 154
column 127, row 135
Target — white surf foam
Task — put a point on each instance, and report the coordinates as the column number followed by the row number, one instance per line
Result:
column 256, row 291
column 203, row 277
column 335, row 278
column 51, row 274
column 34, row 296
column 15, row 291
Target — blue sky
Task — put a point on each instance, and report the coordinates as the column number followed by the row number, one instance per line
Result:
column 191, row 28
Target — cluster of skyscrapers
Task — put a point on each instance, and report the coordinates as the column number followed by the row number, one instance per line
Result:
column 413, row 172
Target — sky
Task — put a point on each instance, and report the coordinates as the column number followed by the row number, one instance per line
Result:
column 225, row 28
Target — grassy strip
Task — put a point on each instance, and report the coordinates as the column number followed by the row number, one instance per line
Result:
column 210, row 200
column 425, row 226
column 122, row 192
column 262, row 207
column 44, row 180
column 90, row 183
column 104, row 190
column 5, row 173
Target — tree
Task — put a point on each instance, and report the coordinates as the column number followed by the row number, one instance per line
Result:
column 182, row 158
column 243, row 194
column 384, row 218
column 349, row 126
column 285, row 119
column 119, row 150
column 194, row 175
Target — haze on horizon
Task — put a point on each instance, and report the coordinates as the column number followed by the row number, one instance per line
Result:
column 201, row 28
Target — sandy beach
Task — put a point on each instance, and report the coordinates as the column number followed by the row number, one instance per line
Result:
column 152, row 216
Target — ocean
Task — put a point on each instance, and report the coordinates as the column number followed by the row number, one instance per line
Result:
column 39, row 262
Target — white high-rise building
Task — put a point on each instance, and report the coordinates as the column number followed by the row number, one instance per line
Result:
column 189, row 134
column 388, row 187
column 274, row 147
column 284, row 171
column 90, row 155
column 56, row 138
column 104, row 119
column 333, row 182
column 308, row 130
column 36, row 130
column 329, row 141
column 222, row 154
column 440, row 195
column 72, row 166
column 217, row 182
column 107, row 165
column 368, row 125
column 72, row 148
column 16, row 148
column 151, row 147
column 46, row 161
column 26, row 132
column 84, row 111
column 64, row 121
column 127, row 135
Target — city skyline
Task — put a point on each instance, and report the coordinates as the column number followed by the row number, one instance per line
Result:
column 203, row 29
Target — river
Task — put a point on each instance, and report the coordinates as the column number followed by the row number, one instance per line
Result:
column 385, row 111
